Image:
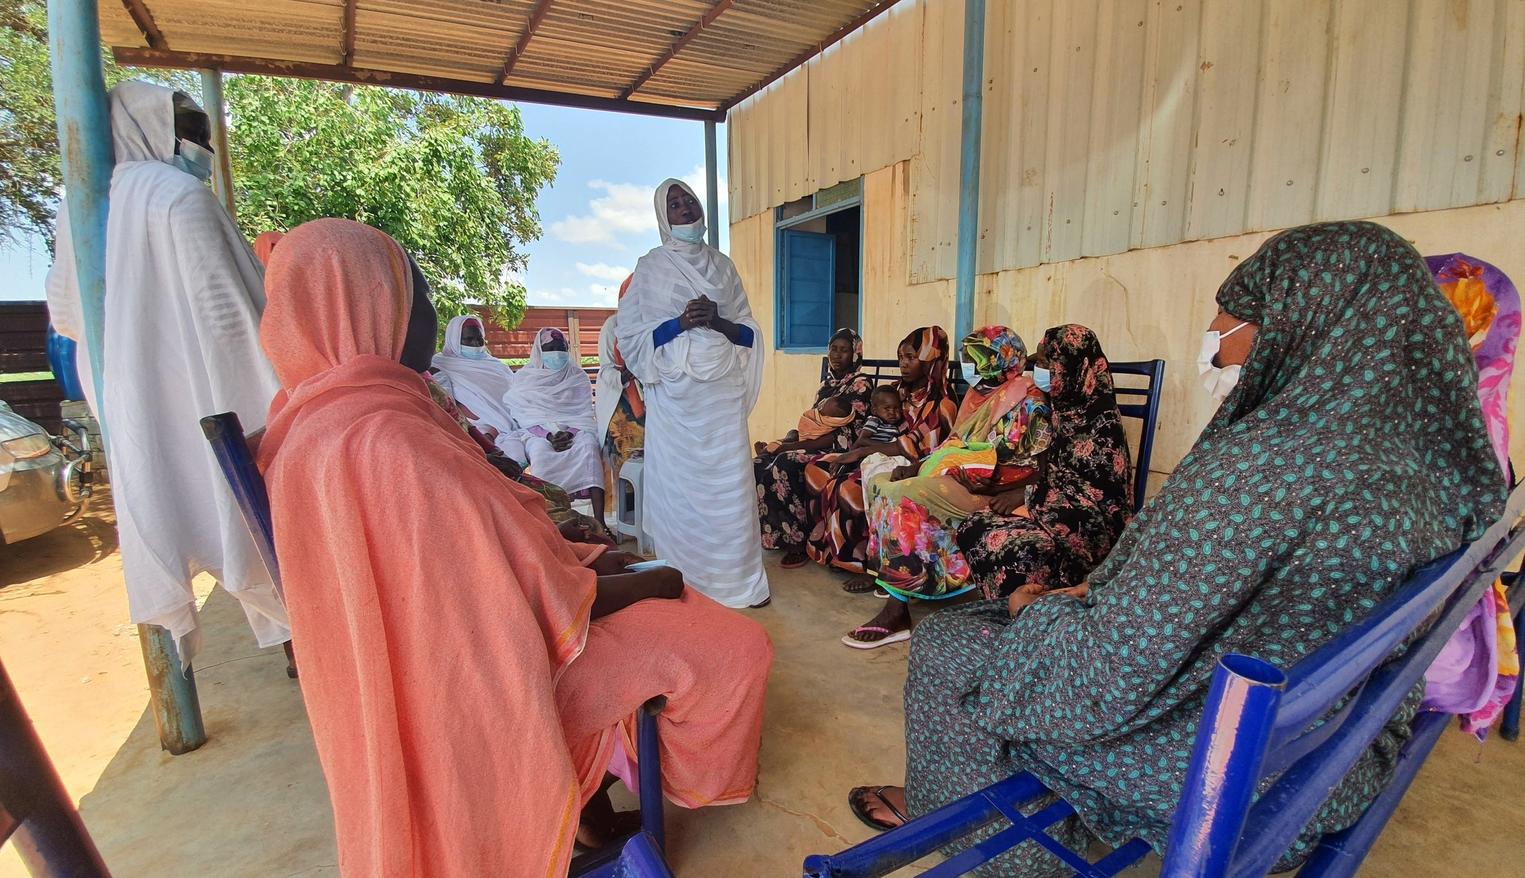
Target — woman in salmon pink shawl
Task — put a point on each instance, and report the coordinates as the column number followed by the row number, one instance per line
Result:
column 463, row 698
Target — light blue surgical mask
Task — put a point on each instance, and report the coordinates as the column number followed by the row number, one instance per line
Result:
column 476, row 353
column 194, row 159
column 1043, row 378
column 971, row 375
column 555, row 360
column 693, row 232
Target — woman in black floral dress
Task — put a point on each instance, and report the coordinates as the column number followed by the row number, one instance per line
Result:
column 786, row 507
column 1050, row 534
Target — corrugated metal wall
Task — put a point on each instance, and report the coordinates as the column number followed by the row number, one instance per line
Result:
column 1119, row 124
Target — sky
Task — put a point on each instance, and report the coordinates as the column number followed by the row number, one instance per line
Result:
column 596, row 219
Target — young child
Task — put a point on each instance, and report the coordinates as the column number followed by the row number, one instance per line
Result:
column 828, row 415
column 882, row 425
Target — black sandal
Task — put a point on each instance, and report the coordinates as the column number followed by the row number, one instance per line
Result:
column 862, row 584
column 858, row 801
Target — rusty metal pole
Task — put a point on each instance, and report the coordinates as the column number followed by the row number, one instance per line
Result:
column 84, row 142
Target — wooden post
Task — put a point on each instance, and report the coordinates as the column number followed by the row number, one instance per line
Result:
column 574, row 335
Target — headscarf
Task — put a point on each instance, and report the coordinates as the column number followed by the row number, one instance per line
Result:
column 478, row 384
column 541, row 397
column 1084, row 497
column 423, row 322
column 143, row 122
column 1490, row 306
column 851, row 337
column 363, row 560
column 923, row 408
column 1352, row 451
column 999, row 356
column 264, row 245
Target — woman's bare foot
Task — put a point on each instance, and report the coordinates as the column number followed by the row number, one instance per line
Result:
column 863, row 583
column 893, row 618
column 880, row 808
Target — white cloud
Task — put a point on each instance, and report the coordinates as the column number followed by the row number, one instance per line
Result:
column 624, row 209
column 592, row 296
column 604, row 271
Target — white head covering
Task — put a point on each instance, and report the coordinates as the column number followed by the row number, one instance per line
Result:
column 543, row 397
column 477, row 384
column 143, row 122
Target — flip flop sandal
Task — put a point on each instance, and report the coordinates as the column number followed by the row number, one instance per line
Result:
column 804, row 559
column 888, row 638
column 858, row 801
column 855, row 586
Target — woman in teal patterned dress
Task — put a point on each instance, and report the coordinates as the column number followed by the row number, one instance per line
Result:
column 1351, row 450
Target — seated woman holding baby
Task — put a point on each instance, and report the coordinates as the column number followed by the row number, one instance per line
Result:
column 786, row 507
column 914, row 511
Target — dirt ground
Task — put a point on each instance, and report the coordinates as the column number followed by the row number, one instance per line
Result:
column 252, row 803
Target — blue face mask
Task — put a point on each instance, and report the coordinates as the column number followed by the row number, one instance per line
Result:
column 555, row 360
column 478, row 353
column 971, row 375
column 1043, row 378
column 693, row 232
column 194, row 159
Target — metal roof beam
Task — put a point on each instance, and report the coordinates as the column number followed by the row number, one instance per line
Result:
column 651, row 70
column 145, row 22
column 347, row 47
column 537, row 17
column 416, row 82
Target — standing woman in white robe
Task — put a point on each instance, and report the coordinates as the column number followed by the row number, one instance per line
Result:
column 552, row 402
column 686, row 332
column 478, row 381
column 184, row 295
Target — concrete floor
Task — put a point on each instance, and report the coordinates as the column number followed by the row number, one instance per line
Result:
column 252, row 801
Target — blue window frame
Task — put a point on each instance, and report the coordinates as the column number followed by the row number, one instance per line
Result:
column 818, row 267
column 809, row 266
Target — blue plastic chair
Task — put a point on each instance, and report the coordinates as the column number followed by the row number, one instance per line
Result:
column 1260, row 725
column 1147, row 411
column 231, row 450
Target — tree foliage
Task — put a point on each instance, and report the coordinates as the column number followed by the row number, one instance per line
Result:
column 453, row 179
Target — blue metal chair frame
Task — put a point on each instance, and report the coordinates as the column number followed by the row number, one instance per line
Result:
column 36, row 812
column 231, row 449
column 1147, row 411
column 1301, row 730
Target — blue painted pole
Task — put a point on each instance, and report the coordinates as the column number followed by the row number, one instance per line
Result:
column 969, row 167
column 649, row 765
column 84, row 142
column 1225, row 766
column 712, row 185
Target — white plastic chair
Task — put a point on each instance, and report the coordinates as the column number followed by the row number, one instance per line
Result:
column 627, row 504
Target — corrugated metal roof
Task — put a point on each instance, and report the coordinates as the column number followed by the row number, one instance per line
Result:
column 689, row 58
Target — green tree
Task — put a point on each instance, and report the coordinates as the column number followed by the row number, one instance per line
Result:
column 454, row 180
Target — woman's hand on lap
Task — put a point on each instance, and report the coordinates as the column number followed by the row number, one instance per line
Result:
column 902, row 473
column 1010, row 503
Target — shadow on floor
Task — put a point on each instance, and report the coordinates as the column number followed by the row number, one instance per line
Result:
column 250, row 802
